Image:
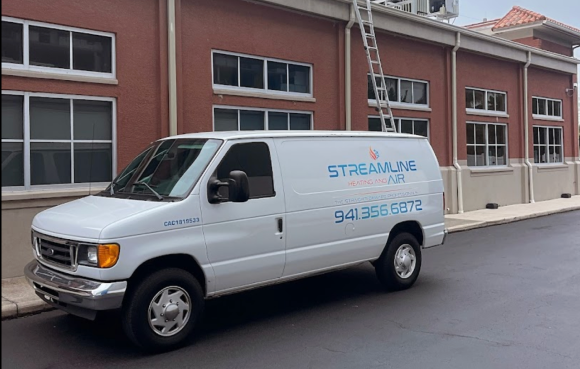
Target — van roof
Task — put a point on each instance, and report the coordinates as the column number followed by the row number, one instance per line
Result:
column 236, row 135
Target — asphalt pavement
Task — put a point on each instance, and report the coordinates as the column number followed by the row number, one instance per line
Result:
column 501, row 297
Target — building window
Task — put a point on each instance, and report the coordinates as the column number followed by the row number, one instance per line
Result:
column 401, row 91
column 548, row 147
column 56, row 140
column 49, row 48
column 486, row 100
column 543, row 107
column 246, row 119
column 404, row 125
column 250, row 72
column 486, row 144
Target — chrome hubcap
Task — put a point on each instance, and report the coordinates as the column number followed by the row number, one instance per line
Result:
column 405, row 261
column 169, row 311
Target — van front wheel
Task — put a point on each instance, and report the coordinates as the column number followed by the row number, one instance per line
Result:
column 161, row 312
column 398, row 266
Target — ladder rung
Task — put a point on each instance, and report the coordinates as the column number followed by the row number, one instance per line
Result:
column 363, row 8
column 375, row 62
column 367, row 22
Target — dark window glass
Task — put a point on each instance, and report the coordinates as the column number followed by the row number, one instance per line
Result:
column 534, row 106
column 277, row 121
column 479, row 99
column 12, row 164
column 300, row 122
column 480, row 134
column 93, row 162
column 225, row 120
column 375, row 124
column 406, row 92
column 557, row 108
column 392, row 89
column 50, row 163
column 470, row 99
column 225, row 69
column 277, row 76
column 299, row 78
column 92, row 53
column 370, row 88
column 550, row 108
column 251, row 120
column 491, row 101
column 127, row 173
column 93, row 120
column 12, row 117
column 251, row 73
column 542, row 106
column 500, row 102
column 254, row 159
column 419, row 93
column 471, row 156
column 11, row 42
column 49, row 47
column 421, row 128
column 49, row 118
column 470, row 134
column 406, row 126
column 491, row 133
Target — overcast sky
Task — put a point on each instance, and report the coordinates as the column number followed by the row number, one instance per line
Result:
column 565, row 11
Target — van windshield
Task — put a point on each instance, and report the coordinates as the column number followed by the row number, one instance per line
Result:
column 167, row 169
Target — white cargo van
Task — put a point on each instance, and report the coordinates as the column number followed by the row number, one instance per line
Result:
column 198, row 216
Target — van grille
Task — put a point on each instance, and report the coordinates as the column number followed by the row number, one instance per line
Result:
column 55, row 251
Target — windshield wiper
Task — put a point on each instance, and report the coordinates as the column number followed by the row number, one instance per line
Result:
column 112, row 187
column 159, row 197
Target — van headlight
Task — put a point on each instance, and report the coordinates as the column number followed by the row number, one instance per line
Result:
column 100, row 256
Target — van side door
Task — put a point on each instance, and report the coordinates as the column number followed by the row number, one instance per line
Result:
column 245, row 241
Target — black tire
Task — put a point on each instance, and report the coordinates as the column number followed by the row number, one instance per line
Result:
column 385, row 264
column 135, row 314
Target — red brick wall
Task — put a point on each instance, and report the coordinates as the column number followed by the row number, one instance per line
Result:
column 141, row 112
column 486, row 73
column 546, row 45
column 244, row 27
column 544, row 83
column 406, row 58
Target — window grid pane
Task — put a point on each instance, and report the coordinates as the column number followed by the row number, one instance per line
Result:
column 486, row 144
column 49, row 47
column 12, row 51
column 92, row 53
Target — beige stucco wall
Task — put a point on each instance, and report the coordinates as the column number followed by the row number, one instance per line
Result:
column 551, row 181
column 18, row 210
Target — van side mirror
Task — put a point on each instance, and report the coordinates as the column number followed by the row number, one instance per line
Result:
column 237, row 184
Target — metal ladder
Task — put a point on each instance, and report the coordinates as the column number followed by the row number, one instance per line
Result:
column 369, row 38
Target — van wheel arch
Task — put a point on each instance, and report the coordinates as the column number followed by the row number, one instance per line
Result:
column 412, row 227
column 181, row 261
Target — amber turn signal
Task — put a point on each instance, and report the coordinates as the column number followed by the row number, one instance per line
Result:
column 108, row 255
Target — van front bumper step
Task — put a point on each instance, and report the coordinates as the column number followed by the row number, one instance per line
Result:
column 78, row 296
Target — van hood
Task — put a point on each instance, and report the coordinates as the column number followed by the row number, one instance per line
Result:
column 85, row 218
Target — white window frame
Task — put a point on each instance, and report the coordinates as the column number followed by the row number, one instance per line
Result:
column 25, row 66
column 266, row 111
column 265, row 71
column 486, row 111
column 487, row 145
column 535, row 100
column 398, row 103
column 398, row 124
column 27, row 141
column 547, row 145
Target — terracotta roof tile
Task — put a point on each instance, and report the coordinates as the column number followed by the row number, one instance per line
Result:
column 519, row 16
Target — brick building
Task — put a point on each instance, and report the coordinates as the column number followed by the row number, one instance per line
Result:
column 87, row 84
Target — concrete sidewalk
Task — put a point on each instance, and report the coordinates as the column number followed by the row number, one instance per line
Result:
column 18, row 298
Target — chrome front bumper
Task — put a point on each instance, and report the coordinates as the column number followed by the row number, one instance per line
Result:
column 77, row 296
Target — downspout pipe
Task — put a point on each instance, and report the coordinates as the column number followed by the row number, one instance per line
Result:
column 172, row 67
column 527, row 133
column 454, row 122
column 347, row 68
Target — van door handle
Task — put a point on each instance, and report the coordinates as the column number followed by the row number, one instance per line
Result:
column 280, row 225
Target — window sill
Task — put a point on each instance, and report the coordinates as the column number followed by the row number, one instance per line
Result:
column 485, row 113
column 262, row 95
column 19, row 195
column 59, row 76
column 551, row 167
column 488, row 171
column 548, row 118
column 373, row 104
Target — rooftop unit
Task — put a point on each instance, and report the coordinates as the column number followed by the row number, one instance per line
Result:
column 439, row 9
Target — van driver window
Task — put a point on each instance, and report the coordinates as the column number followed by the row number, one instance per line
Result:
column 254, row 159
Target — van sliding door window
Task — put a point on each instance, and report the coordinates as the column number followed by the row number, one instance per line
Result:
column 254, row 160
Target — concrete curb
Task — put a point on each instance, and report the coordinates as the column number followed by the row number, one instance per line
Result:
column 11, row 310
column 483, row 224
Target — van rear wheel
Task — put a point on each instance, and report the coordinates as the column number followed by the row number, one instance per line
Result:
column 161, row 312
column 398, row 266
